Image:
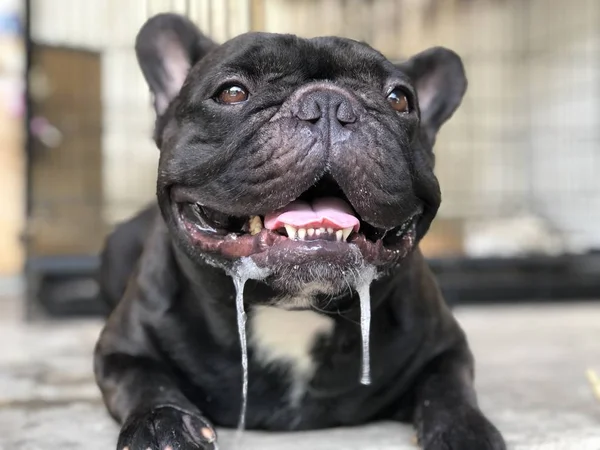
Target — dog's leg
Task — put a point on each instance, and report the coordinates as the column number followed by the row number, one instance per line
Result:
column 447, row 416
column 143, row 396
column 137, row 386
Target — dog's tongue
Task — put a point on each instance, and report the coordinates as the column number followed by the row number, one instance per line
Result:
column 328, row 212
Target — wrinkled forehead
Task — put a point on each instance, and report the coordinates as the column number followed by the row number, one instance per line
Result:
column 274, row 56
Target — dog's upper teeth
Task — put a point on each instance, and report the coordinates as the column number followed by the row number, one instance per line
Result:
column 330, row 230
column 338, row 235
column 291, row 231
column 319, row 231
column 346, row 232
column 255, row 225
column 310, row 231
column 301, row 233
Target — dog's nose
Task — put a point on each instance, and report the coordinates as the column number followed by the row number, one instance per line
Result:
column 326, row 107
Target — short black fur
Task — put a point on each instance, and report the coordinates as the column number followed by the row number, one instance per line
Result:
column 168, row 359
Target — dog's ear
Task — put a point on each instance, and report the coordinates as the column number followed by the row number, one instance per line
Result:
column 167, row 46
column 439, row 78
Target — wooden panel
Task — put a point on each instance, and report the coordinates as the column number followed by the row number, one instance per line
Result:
column 66, row 172
column 12, row 170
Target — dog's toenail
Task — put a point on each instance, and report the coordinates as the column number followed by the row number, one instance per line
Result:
column 168, row 447
column 125, row 448
column 208, row 434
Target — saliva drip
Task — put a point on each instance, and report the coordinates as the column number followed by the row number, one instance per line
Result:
column 245, row 270
column 363, row 289
column 241, row 324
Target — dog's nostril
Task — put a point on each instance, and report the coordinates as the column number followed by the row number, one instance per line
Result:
column 310, row 112
column 345, row 113
column 331, row 107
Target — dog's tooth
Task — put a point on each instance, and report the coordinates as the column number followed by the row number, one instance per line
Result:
column 291, row 231
column 346, row 232
column 301, row 233
column 330, row 230
column 320, row 231
column 255, row 225
column 338, row 235
column 310, row 231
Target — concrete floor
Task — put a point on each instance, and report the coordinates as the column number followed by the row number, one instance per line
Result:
column 531, row 363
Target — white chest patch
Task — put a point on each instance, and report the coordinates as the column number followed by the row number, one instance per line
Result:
column 287, row 337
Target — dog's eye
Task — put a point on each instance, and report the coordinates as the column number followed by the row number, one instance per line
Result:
column 398, row 100
column 232, row 95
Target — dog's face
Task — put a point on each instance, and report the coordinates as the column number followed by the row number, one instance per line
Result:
column 313, row 157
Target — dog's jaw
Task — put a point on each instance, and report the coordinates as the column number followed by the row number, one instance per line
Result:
column 318, row 237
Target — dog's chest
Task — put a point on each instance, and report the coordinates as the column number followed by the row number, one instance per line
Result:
column 287, row 338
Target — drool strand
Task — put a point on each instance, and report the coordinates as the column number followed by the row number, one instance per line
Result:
column 241, row 324
column 363, row 290
column 245, row 270
column 365, row 328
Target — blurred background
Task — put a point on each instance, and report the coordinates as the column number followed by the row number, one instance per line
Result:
column 519, row 163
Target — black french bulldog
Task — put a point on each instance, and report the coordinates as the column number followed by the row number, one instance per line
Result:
column 309, row 160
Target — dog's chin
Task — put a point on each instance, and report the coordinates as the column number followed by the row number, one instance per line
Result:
column 327, row 254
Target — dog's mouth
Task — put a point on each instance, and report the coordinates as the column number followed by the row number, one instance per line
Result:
column 319, row 223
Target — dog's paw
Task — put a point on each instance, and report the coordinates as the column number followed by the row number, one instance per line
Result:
column 461, row 430
column 167, row 428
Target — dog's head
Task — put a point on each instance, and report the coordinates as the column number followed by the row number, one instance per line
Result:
column 313, row 157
